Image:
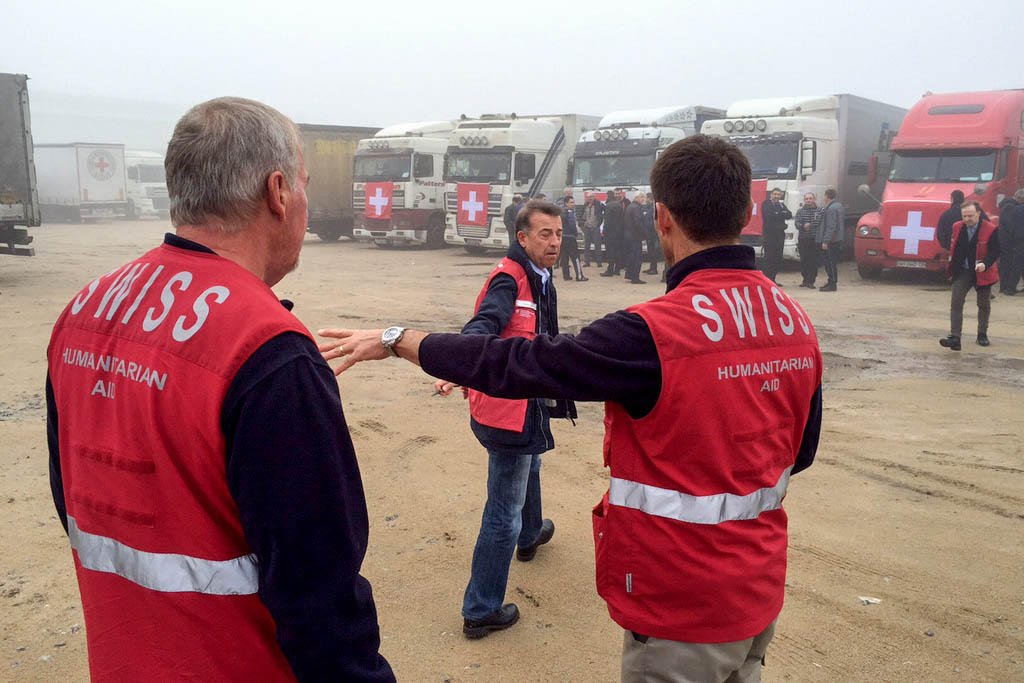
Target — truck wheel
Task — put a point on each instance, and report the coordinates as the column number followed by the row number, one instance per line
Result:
column 869, row 272
column 474, row 250
column 328, row 236
column 435, row 234
column 133, row 213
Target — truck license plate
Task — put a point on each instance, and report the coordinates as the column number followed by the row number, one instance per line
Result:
column 910, row 264
column 472, row 241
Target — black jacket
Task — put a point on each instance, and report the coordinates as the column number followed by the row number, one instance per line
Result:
column 493, row 315
column 944, row 231
column 614, row 220
column 635, row 230
column 965, row 250
column 773, row 218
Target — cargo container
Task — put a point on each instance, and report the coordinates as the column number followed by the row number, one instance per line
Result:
column 81, row 180
column 19, row 203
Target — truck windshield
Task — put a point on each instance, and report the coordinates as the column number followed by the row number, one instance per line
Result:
column 478, row 167
column 613, row 171
column 151, row 173
column 382, row 167
column 769, row 159
column 952, row 166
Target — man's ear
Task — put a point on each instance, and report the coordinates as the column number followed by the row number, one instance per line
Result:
column 663, row 219
column 521, row 238
column 750, row 211
column 277, row 192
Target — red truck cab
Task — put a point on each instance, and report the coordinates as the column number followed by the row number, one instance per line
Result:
column 972, row 142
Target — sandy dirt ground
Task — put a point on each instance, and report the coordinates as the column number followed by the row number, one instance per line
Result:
column 916, row 497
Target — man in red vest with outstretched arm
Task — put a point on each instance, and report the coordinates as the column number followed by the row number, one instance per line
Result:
column 713, row 400
column 199, row 458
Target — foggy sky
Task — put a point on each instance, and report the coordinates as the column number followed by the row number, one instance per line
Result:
column 377, row 63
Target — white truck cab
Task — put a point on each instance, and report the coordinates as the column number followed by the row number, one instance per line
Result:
column 146, row 184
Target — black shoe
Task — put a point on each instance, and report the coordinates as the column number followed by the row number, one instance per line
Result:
column 651, row 271
column 982, row 340
column 607, row 274
column 952, row 343
column 827, row 288
column 547, row 530
column 1009, row 292
column 637, row 281
column 808, row 285
column 581, row 278
column 500, row 619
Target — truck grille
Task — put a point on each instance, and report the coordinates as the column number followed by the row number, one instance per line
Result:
column 473, row 231
column 493, row 203
column 359, row 200
column 156, row 191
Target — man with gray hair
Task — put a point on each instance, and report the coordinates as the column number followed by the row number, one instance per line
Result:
column 199, row 457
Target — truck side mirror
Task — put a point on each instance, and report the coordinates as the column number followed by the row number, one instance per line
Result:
column 808, row 157
column 872, row 169
column 979, row 189
column 866, row 191
column 525, row 166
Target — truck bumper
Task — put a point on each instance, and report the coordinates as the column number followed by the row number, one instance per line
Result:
column 391, row 237
column 15, row 240
column 870, row 254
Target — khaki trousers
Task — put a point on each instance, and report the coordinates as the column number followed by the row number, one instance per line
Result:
column 670, row 661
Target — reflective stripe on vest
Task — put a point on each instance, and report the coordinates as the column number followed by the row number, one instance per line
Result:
column 166, row 572
column 713, row 509
column 522, row 303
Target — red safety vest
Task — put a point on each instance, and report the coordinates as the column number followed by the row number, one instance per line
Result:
column 140, row 363
column 990, row 275
column 505, row 413
column 691, row 536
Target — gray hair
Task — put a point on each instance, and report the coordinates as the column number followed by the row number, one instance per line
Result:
column 1019, row 195
column 220, row 157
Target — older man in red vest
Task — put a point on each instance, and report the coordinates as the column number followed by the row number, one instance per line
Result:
column 712, row 402
column 973, row 256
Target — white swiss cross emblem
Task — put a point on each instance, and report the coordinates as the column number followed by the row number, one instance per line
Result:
column 378, row 200
column 913, row 233
column 472, row 203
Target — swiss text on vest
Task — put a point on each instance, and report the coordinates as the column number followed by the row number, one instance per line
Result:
column 744, row 311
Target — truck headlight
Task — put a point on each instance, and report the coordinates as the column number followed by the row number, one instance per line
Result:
column 762, row 125
column 863, row 231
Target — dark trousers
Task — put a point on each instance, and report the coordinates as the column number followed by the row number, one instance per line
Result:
column 592, row 238
column 773, row 254
column 633, row 258
column 962, row 284
column 809, row 256
column 613, row 250
column 653, row 251
column 570, row 253
column 1011, row 247
column 830, row 257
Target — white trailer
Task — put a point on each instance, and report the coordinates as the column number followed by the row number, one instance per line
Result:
column 812, row 143
column 19, row 203
column 147, row 185
column 81, row 180
column 500, row 155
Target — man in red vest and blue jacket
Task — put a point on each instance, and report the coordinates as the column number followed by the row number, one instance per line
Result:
column 199, row 457
column 712, row 402
column 973, row 256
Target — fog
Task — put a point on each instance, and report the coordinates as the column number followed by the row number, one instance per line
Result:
column 124, row 71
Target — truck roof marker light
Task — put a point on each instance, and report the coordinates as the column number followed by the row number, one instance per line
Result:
column 728, row 126
column 762, row 125
column 739, row 126
column 624, row 133
column 483, row 140
column 749, row 126
column 462, row 141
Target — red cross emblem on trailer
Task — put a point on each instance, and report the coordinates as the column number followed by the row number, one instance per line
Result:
column 100, row 164
column 471, row 200
column 758, row 193
column 378, row 199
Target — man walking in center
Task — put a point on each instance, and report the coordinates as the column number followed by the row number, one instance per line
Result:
column 593, row 217
column 614, row 227
column 830, row 235
column 774, row 215
column 210, row 491
column 808, row 217
column 974, row 250
column 633, row 239
column 708, row 415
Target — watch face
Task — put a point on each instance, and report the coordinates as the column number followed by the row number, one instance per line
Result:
column 392, row 335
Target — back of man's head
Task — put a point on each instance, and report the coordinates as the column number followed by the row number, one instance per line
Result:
column 956, row 197
column 704, row 182
column 1018, row 196
column 831, row 194
column 219, row 158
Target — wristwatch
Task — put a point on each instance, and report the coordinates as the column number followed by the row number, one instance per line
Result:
column 390, row 337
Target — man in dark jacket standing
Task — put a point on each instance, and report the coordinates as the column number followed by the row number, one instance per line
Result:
column 950, row 216
column 614, row 225
column 570, row 245
column 1009, row 239
column 808, row 218
column 831, row 233
column 509, row 218
column 634, row 236
column 593, row 217
column 651, row 235
column 1015, row 222
column 774, row 215
column 974, row 250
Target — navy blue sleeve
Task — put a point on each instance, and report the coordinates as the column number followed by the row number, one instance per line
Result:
column 292, row 470
column 611, row 359
column 497, row 307
column 53, row 445
column 812, row 432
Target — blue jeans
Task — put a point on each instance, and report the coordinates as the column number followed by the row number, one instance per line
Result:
column 512, row 515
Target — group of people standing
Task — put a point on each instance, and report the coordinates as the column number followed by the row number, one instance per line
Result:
column 820, row 235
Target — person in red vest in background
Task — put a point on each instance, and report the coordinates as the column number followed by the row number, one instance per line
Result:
column 973, row 253
column 199, row 457
column 712, row 402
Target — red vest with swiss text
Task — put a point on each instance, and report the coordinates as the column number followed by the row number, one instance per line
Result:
column 140, row 363
column 505, row 413
column 990, row 275
column 691, row 536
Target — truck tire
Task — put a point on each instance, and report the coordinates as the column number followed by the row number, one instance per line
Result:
column 474, row 250
column 435, row 233
column 869, row 272
column 328, row 236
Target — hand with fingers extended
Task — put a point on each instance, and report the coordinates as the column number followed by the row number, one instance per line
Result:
column 352, row 346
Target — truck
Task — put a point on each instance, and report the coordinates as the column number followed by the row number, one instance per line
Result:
column 492, row 158
column 19, row 202
column 968, row 141
column 81, row 180
column 619, row 154
column 809, row 144
column 328, row 152
column 398, row 184
column 147, row 185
